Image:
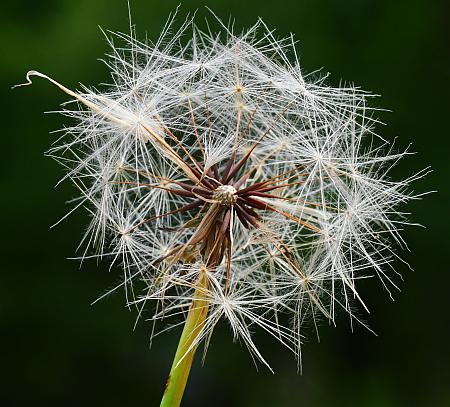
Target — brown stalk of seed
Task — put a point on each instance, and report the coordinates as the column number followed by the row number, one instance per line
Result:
column 218, row 191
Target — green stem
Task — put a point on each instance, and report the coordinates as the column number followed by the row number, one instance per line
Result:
column 184, row 356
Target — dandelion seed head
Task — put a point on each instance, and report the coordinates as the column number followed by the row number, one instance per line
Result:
column 222, row 158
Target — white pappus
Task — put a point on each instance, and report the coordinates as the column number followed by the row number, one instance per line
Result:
column 216, row 158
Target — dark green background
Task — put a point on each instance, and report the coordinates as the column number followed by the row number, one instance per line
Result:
column 57, row 350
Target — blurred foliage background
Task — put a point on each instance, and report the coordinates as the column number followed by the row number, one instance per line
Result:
column 57, row 350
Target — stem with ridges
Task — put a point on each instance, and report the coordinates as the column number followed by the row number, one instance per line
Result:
column 184, row 356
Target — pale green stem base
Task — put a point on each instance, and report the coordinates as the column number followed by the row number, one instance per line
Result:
column 182, row 362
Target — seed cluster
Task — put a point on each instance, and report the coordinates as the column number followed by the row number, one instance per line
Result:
column 221, row 161
column 221, row 194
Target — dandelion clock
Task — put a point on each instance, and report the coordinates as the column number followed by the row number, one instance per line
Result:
column 228, row 185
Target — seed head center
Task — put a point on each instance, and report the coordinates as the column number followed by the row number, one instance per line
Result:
column 225, row 195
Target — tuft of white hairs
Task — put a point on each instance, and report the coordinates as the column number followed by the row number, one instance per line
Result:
column 223, row 94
